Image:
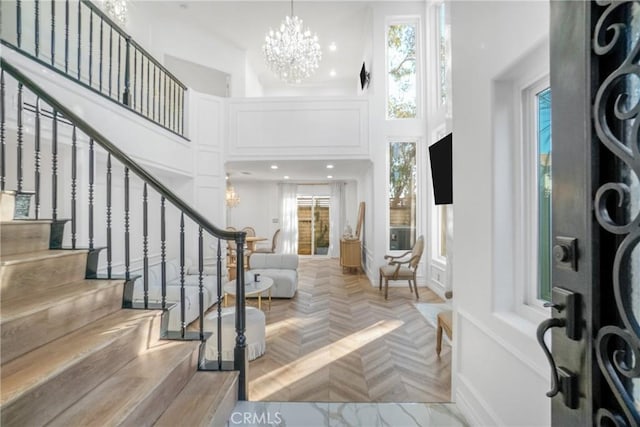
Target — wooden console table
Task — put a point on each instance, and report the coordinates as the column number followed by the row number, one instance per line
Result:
column 350, row 254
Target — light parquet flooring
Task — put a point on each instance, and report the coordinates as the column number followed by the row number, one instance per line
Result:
column 338, row 340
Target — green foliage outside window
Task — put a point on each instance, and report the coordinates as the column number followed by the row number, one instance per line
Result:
column 401, row 57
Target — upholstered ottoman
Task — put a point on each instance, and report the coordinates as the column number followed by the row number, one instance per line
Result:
column 255, row 333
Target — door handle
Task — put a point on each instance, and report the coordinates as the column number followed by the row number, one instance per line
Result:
column 562, row 380
column 542, row 329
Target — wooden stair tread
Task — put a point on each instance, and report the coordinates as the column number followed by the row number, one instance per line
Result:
column 39, row 256
column 116, row 400
column 25, row 221
column 36, row 367
column 31, row 302
column 207, row 399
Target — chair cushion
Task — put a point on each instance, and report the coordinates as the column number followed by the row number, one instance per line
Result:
column 404, row 273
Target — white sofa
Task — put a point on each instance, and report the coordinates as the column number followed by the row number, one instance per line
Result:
column 282, row 268
column 192, row 290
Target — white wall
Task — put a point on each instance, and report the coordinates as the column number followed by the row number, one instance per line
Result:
column 153, row 26
column 499, row 371
column 309, row 128
column 382, row 132
column 259, row 205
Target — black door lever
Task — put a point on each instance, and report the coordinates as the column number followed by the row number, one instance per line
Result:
column 542, row 329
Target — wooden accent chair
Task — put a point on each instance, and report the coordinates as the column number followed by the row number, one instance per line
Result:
column 398, row 269
column 274, row 245
column 251, row 232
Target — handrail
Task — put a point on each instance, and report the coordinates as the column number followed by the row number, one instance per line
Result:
column 238, row 236
column 120, row 31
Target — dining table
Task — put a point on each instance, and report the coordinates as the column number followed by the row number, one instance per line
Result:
column 252, row 240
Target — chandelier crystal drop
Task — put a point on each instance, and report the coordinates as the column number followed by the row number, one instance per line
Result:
column 116, row 9
column 292, row 53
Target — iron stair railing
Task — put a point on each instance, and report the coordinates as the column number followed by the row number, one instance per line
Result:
column 33, row 99
column 77, row 39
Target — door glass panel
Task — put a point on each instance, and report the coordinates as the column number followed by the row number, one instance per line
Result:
column 543, row 107
column 313, row 225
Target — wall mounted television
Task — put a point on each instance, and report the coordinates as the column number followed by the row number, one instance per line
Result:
column 440, row 154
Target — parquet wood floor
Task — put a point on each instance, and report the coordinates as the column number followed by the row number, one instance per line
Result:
column 338, row 340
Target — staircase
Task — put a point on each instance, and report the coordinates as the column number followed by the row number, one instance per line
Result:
column 70, row 355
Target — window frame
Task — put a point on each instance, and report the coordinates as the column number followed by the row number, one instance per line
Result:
column 527, row 302
column 418, row 212
column 398, row 20
column 436, row 226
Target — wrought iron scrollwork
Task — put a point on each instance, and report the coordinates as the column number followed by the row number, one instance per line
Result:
column 616, row 106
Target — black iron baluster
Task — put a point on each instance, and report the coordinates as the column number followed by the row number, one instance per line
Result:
column 91, row 178
column 219, row 287
column 37, row 27
column 164, row 102
column 145, row 244
column 119, row 64
column 126, row 96
column 182, row 111
column 19, row 22
column 175, row 106
column 90, row 47
column 74, row 176
column 110, row 58
column 54, row 166
column 200, row 279
column 109, row 258
column 163, row 252
column 148, row 84
column 240, row 360
column 36, row 149
column 135, row 75
column 3, row 165
column 79, row 39
column 20, row 136
column 141, row 105
column 53, row 33
column 66, row 36
column 154, row 91
column 127, row 254
column 183, row 323
column 101, row 53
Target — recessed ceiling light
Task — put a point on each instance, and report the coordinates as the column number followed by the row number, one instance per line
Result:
column 333, row 47
column 274, row 167
column 332, row 73
column 226, row 177
column 329, row 176
column 329, row 166
column 286, row 177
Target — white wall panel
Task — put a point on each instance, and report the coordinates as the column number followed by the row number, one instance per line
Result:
column 278, row 128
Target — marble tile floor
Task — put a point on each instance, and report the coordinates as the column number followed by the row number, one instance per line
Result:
column 312, row 414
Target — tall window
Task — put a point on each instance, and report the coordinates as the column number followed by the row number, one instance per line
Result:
column 402, row 195
column 543, row 137
column 443, row 53
column 402, row 85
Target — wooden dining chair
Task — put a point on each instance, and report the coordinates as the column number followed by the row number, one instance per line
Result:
column 274, row 245
column 402, row 269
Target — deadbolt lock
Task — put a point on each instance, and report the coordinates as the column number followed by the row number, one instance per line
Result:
column 565, row 252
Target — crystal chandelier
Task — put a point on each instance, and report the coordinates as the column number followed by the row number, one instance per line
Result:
column 291, row 52
column 116, row 9
column 231, row 197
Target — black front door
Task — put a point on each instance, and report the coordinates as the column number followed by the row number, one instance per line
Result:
column 595, row 81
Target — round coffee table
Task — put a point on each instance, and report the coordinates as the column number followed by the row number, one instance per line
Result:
column 251, row 289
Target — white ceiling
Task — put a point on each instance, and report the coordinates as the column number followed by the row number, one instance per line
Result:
column 307, row 171
column 245, row 23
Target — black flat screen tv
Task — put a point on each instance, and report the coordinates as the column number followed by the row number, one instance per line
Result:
column 440, row 155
